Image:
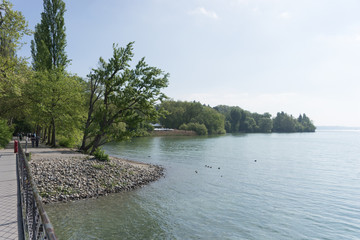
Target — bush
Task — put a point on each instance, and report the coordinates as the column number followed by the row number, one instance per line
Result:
column 70, row 138
column 100, row 155
column 200, row 129
column 65, row 142
column 183, row 127
column 5, row 133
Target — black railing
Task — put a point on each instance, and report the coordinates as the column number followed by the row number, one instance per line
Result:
column 35, row 221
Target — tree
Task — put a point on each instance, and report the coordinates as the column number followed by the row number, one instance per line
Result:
column 265, row 123
column 14, row 72
column 284, row 123
column 50, row 58
column 305, row 124
column 6, row 133
column 120, row 98
column 199, row 128
column 192, row 115
column 214, row 121
column 48, row 46
column 235, row 116
column 175, row 114
column 62, row 108
column 13, row 27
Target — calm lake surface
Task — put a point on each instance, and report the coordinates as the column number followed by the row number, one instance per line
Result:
column 301, row 186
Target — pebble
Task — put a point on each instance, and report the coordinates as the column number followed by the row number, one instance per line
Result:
column 66, row 179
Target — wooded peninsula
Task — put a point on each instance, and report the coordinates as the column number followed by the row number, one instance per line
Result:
column 114, row 102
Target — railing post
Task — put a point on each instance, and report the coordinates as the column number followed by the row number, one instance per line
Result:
column 19, row 202
column 33, row 219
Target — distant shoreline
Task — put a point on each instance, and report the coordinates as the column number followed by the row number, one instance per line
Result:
column 172, row 132
column 336, row 128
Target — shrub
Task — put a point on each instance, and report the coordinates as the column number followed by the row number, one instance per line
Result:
column 100, row 155
column 183, row 127
column 69, row 139
column 98, row 166
column 200, row 129
column 65, row 142
column 5, row 133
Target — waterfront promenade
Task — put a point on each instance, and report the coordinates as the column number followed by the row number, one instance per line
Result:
column 8, row 194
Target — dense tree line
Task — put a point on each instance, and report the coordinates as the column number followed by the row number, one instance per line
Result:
column 192, row 116
column 285, row 123
column 115, row 101
column 206, row 120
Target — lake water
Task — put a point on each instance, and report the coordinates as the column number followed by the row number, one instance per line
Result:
column 259, row 186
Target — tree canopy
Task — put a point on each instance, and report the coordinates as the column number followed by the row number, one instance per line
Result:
column 48, row 46
column 14, row 71
column 121, row 98
column 230, row 119
column 179, row 113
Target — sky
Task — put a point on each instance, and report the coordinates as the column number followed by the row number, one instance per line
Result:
column 296, row 56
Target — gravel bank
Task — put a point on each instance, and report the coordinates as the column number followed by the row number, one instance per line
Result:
column 66, row 177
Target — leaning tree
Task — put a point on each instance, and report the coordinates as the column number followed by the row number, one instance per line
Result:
column 120, row 98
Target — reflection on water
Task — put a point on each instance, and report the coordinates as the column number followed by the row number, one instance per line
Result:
column 301, row 186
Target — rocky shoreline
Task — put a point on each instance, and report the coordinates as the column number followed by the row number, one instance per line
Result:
column 67, row 177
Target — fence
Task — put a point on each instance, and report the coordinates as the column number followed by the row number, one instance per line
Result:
column 35, row 222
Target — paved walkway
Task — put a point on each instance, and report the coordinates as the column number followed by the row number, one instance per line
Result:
column 8, row 194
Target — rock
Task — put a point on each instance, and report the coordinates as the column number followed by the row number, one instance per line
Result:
column 73, row 178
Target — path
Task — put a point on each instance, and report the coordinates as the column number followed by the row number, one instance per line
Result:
column 8, row 194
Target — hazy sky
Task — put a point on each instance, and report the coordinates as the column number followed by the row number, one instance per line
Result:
column 297, row 56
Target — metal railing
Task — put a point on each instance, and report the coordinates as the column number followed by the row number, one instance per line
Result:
column 35, row 221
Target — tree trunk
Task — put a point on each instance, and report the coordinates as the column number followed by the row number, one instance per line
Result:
column 88, row 121
column 96, row 143
column 53, row 138
column 82, row 148
column 85, row 149
column 44, row 136
column 49, row 136
column 38, row 130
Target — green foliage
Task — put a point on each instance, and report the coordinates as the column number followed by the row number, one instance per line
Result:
column 13, row 70
column 306, row 124
column 22, row 125
column 71, row 138
column 235, row 118
column 263, row 122
column 98, row 166
column 54, row 93
column 199, row 128
column 121, row 95
column 100, row 155
column 65, row 142
column 265, row 125
column 13, row 27
column 285, row 123
column 214, row 121
column 57, row 98
column 232, row 119
column 5, row 133
column 179, row 113
column 238, row 120
column 48, row 46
